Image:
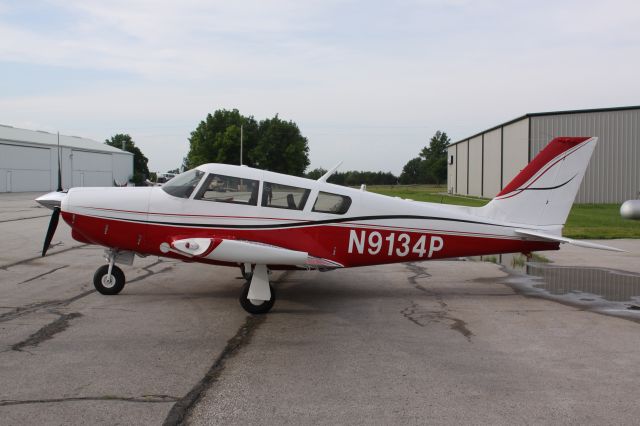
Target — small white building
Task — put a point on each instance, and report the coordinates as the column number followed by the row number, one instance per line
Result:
column 29, row 161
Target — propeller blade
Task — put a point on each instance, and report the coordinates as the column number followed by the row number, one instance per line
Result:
column 53, row 224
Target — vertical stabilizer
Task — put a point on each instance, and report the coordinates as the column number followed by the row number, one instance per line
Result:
column 543, row 192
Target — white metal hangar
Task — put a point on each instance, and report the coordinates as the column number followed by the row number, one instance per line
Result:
column 29, row 161
column 482, row 164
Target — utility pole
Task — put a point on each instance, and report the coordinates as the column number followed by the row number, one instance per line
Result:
column 241, row 135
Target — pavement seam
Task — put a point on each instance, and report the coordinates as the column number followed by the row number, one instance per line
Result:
column 43, row 274
column 182, row 408
column 22, row 262
column 47, row 332
column 149, row 272
column 23, row 218
column 34, row 307
column 143, row 398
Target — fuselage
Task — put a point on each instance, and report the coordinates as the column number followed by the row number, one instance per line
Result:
column 343, row 225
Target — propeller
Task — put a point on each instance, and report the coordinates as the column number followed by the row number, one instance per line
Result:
column 53, row 224
column 53, row 200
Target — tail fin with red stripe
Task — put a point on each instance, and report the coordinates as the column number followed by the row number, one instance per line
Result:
column 543, row 192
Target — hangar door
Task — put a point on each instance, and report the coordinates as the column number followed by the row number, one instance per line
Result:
column 24, row 168
column 91, row 168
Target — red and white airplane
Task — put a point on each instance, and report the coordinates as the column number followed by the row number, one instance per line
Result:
column 259, row 220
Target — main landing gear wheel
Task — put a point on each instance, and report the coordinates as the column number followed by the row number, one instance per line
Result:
column 108, row 284
column 256, row 306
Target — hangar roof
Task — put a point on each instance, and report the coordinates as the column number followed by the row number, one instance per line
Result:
column 540, row 114
column 39, row 137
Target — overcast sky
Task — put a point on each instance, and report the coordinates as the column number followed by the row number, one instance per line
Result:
column 368, row 82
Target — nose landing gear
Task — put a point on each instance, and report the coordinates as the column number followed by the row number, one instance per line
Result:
column 109, row 279
column 109, row 283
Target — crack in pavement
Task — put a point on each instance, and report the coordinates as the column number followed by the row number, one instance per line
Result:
column 182, row 408
column 43, row 274
column 149, row 272
column 24, row 218
column 47, row 332
column 34, row 307
column 422, row 316
column 143, row 398
column 53, row 304
column 22, row 262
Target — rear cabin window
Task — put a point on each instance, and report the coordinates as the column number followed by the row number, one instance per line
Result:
column 284, row 196
column 229, row 189
column 331, row 203
column 183, row 185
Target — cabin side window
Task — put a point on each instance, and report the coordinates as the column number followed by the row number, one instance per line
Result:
column 284, row 196
column 183, row 185
column 229, row 189
column 331, row 203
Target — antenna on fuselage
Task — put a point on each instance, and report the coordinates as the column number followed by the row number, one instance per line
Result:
column 326, row 176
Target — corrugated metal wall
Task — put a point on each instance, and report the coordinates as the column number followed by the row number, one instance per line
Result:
column 451, row 169
column 487, row 160
column 613, row 174
column 24, row 168
column 35, row 168
column 475, row 167
column 492, row 167
column 515, row 146
column 462, row 167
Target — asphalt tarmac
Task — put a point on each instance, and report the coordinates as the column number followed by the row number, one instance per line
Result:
column 442, row 342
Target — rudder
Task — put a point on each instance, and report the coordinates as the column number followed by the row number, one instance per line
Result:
column 543, row 192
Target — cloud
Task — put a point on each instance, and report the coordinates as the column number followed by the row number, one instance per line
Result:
column 350, row 73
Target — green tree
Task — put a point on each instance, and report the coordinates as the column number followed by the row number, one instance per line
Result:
column 355, row 178
column 217, row 139
column 273, row 144
column 415, row 171
column 435, row 156
column 431, row 165
column 281, row 147
column 140, row 162
column 316, row 174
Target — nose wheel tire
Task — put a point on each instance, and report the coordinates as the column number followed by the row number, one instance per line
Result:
column 108, row 284
column 256, row 306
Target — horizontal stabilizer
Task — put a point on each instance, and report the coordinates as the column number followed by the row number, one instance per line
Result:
column 560, row 239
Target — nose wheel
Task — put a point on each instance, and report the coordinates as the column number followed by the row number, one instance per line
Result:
column 109, row 283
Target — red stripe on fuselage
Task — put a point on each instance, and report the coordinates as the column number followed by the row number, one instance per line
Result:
column 323, row 241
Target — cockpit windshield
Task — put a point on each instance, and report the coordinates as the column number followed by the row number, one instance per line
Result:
column 183, row 185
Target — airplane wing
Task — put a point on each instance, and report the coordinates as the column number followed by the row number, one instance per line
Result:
column 242, row 251
column 561, row 239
